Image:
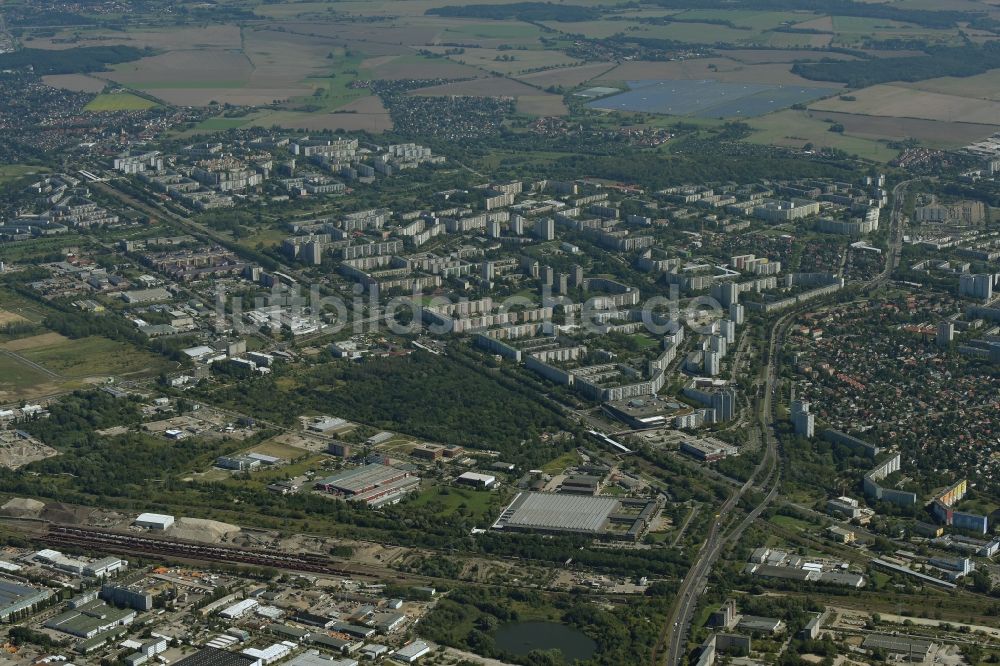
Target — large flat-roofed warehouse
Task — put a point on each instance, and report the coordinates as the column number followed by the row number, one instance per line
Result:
column 913, row 649
column 361, row 479
column 214, row 657
column 15, row 598
column 374, row 485
column 578, row 514
column 90, row 619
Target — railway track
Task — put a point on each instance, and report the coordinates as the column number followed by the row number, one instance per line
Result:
column 138, row 544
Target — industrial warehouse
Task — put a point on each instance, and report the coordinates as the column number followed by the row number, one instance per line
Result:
column 599, row 516
column 375, row 485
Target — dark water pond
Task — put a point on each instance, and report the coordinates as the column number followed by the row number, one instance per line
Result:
column 523, row 637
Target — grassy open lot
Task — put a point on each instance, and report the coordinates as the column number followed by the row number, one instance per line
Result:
column 15, row 171
column 557, row 465
column 88, row 357
column 119, row 101
column 16, row 376
column 447, row 501
column 789, row 522
column 264, row 235
column 21, row 381
column 17, row 304
column 278, row 450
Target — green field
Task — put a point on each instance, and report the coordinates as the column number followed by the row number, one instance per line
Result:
column 447, row 501
column 92, row 356
column 789, row 522
column 497, row 30
column 557, row 465
column 119, row 101
column 796, row 129
column 222, row 124
column 23, row 307
column 15, row 171
column 333, row 91
column 16, row 376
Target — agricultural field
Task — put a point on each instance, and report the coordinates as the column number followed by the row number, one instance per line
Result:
column 510, row 61
column 7, row 317
column 707, row 98
column 372, row 120
column 75, row 82
column 904, row 102
column 119, row 101
column 854, row 30
column 300, row 59
column 770, row 56
column 227, row 65
column 567, row 77
column 14, row 306
column 982, row 86
column 396, row 67
column 489, row 33
column 931, row 133
column 795, row 129
column 699, row 69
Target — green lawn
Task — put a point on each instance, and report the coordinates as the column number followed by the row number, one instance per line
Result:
column 119, row 101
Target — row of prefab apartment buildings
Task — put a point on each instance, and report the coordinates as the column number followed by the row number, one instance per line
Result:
column 941, row 504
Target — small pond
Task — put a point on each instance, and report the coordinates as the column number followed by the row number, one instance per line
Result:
column 522, row 637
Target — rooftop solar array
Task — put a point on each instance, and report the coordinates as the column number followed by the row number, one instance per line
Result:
column 549, row 511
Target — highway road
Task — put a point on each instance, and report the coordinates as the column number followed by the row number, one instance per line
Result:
column 896, row 227
column 673, row 641
column 673, row 638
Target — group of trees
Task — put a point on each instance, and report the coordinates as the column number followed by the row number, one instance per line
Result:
column 924, row 17
column 71, row 61
column 522, row 11
column 434, row 397
column 469, row 617
column 966, row 60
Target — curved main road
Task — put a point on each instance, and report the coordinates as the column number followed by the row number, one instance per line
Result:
column 673, row 637
column 767, row 473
